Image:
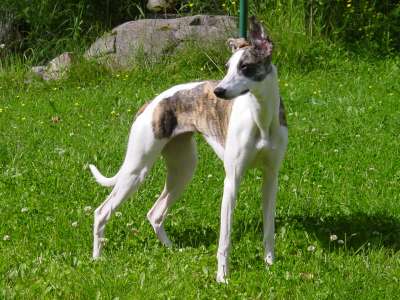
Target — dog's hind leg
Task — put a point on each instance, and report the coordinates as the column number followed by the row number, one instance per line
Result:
column 180, row 156
column 127, row 183
column 138, row 161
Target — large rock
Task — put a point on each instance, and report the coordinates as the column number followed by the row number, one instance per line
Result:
column 156, row 37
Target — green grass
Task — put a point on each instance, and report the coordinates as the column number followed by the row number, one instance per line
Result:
column 341, row 177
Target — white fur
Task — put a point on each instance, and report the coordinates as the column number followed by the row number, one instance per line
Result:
column 254, row 139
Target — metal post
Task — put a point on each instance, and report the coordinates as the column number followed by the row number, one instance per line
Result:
column 243, row 19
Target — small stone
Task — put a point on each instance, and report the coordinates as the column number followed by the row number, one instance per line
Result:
column 160, row 5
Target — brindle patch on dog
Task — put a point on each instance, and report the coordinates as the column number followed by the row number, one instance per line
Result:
column 196, row 109
column 238, row 43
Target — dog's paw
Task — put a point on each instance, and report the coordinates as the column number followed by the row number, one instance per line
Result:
column 269, row 259
column 97, row 257
column 222, row 273
column 221, row 278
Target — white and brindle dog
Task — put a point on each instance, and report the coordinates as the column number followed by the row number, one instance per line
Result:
column 241, row 117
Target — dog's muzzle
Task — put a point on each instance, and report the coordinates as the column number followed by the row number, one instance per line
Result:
column 221, row 93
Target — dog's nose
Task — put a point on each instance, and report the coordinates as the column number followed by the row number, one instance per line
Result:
column 220, row 92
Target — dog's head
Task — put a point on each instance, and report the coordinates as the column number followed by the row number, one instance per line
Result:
column 249, row 64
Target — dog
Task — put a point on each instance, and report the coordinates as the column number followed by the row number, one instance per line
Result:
column 242, row 117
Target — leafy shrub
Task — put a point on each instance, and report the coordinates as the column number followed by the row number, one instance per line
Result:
column 364, row 24
column 48, row 27
column 358, row 24
column 51, row 26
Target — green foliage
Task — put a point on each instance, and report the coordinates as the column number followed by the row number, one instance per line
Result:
column 360, row 25
column 49, row 27
column 368, row 25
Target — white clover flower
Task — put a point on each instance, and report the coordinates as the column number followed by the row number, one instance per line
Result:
column 311, row 248
column 87, row 209
column 333, row 237
column 6, row 237
column 24, row 209
column 118, row 214
column 74, row 224
column 209, row 175
column 341, row 242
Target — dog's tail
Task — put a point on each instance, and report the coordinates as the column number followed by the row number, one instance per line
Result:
column 102, row 180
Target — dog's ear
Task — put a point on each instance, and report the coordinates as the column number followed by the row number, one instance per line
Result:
column 236, row 44
column 258, row 38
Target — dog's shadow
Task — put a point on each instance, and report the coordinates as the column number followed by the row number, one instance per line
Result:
column 194, row 236
column 353, row 233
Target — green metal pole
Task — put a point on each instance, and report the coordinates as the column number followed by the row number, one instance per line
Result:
column 243, row 19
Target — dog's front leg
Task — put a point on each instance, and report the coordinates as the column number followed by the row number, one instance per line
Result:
column 235, row 161
column 269, row 190
column 228, row 204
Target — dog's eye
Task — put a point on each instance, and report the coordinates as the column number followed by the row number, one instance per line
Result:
column 248, row 69
column 244, row 67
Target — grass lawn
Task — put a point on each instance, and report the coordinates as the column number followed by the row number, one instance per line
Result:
column 341, row 177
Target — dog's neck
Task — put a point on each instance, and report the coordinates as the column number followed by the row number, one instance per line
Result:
column 266, row 110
